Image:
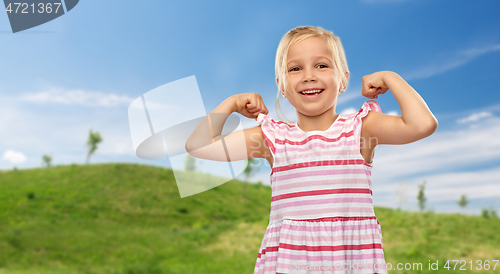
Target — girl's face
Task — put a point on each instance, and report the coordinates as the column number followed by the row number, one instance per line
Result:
column 311, row 69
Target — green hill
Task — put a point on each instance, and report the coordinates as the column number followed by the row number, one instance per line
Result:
column 130, row 219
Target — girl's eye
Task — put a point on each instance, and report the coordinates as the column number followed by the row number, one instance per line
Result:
column 297, row 68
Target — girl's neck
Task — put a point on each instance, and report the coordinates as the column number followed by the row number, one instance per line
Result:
column 321, row 122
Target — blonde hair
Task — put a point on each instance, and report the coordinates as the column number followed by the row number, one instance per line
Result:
column 298, row 34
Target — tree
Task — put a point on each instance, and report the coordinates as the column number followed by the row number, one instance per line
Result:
column 94, row 139
column 46, row 159
column 488, row 212
column 463, row 201
column 421, row 196
column 190, row 163
column 248, row 171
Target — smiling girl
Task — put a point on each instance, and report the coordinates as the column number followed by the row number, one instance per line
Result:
column 322, row 218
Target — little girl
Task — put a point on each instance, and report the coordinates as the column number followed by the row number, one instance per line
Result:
column 322, row 218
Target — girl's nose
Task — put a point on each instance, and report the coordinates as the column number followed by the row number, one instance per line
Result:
column 309, row 75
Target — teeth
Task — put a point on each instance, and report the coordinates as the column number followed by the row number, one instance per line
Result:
column 311, row 91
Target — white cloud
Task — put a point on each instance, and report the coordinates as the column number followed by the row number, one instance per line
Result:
column 76, row 97
column 474, row 117
column 451, row 162
column 349, row 111
column 14, row 157
column 476, row 52
column 444, row 150
column 393, row 112
column 117, row 141
column 475, row 184
column 450, row 185
column 349, row 95
column 62, row 131
column 449, row 62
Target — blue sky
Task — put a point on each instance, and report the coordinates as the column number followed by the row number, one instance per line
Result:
column 82, row 71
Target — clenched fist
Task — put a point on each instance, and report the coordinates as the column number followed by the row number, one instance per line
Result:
column 373, row 85
column 249, row 105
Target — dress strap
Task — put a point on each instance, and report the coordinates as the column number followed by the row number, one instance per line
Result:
column 268, row 127
column 369, row 105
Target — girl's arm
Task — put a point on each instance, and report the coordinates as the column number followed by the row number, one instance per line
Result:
column 416, row 121
column 210, row 128
column 206, row 141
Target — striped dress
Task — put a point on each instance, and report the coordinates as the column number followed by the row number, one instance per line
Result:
column 322, row 218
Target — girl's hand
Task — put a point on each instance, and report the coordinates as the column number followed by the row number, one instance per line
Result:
column 249, row 105
column 373, row 85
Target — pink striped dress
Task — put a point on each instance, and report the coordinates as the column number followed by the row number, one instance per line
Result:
column 322, row 218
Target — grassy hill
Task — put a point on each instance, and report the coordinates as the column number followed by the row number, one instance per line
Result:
column 130, row 219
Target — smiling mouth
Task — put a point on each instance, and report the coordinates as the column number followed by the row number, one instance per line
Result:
column 311, row 92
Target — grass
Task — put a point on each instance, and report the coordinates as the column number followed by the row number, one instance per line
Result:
column 413, row 237
column 130, row 219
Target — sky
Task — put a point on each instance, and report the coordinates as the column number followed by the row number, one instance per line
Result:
column 82, row 71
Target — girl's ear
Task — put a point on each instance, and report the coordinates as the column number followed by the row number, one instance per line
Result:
column 344, row 83
column 278, row 83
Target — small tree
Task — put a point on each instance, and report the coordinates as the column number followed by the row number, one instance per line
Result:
column 94, row 139
column 463, row 201
column 488, row 212
column 248, row 171
column 421, row 196
column 190, row 163
column 46, row 160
